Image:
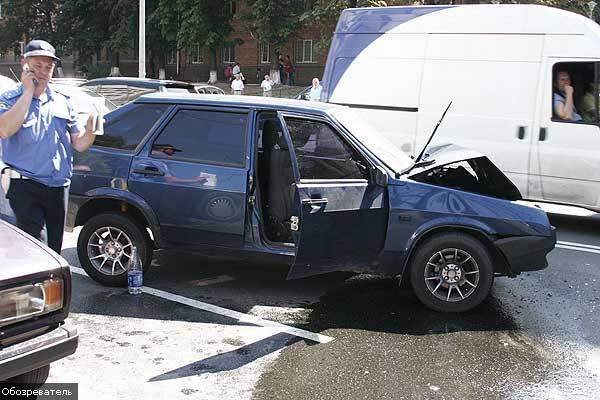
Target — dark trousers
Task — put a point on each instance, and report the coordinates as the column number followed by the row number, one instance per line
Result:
column 35, row 204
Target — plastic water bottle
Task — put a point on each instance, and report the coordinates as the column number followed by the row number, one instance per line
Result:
column 135, row 278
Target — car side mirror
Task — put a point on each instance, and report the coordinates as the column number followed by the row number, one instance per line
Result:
column 380, row 176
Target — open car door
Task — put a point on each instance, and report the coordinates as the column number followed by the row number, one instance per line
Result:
column 342, row 218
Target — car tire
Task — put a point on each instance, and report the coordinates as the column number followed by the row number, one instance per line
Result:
column 452, row 272
column 124, row 231
column 36, row 377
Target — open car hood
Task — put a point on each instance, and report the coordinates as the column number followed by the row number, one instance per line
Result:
column 458, row 168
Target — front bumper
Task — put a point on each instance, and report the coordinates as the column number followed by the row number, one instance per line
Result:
column 38, row 351
column 526, row 253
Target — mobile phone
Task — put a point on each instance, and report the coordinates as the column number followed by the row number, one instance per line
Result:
column 26, row 68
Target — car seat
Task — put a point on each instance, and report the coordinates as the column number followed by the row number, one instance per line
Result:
column 281, row 186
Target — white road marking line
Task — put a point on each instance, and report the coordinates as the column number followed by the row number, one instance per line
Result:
column 241, row 317
column 560, row 246
column 589, row 246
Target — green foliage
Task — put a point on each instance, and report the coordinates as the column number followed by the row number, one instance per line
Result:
column 31, row 19
column 181, row 24
column 273, row 21
column 325, row 13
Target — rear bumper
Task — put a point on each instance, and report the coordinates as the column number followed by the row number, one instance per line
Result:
column 527, row 253
column 38, row 351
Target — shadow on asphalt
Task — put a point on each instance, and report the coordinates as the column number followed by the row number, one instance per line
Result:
column 231, row 360
column 378, row 304
column 337, row 301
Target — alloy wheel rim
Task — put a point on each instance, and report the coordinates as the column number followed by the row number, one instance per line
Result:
column 109, row 250
column 451, row 275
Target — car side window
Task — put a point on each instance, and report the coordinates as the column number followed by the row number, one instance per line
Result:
column 127, row 130
column 321, row 153
column 209, row 137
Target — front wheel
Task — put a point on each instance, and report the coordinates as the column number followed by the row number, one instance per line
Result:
column 104, row 247
column 452, row 272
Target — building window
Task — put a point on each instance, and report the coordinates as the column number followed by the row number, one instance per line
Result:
column 228, row 54
column 265, row 55
column 304, row 51
column 233, row 7
column 197, row 54
column 172, row 57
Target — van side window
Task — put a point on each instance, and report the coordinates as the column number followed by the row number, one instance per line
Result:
column 575, row 92
column 322, row 154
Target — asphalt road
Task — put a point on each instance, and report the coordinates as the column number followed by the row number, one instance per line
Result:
column 536, row 337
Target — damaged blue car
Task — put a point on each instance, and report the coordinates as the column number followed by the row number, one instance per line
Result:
column 305, row 184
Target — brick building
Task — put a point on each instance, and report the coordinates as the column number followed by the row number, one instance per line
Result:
column 254, row 56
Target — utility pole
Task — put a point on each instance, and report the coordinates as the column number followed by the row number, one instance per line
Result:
column 142, row 40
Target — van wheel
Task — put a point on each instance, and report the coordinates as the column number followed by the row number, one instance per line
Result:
column 452, row 272
column 104, row 247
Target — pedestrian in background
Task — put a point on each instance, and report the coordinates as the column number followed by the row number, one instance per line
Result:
column 237, row 85
column 281, row 66
column 315, row 91
column 267, row 86
column 289, row 70
column 39, row 131
column 228, row 72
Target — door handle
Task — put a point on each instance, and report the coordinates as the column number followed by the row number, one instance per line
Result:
column 314, row 202
column 521, row 132
column 542, row 134
column 153, row 171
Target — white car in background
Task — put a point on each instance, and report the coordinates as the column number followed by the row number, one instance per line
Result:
column 6, row 84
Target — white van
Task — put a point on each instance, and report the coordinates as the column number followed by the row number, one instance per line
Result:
column 400, row 66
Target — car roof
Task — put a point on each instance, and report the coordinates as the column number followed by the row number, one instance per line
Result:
column 141, row 82
column 239, row 101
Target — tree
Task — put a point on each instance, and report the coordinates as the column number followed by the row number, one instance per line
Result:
column 85, row 27
column 326, row 13
column 29, row 19
column 274, row 22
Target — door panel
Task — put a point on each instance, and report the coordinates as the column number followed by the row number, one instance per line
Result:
column 343, row 217
column 194, row 175
column 496, row 122
column 342, row 226
column 567, row 154
column 195, row 203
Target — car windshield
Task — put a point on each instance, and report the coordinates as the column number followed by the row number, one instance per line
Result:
column 387, row 152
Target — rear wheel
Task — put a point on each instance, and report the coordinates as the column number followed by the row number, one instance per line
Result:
column 104, row 247
column 452, row 272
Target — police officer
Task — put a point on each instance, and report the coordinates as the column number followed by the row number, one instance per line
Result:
column 38, row 129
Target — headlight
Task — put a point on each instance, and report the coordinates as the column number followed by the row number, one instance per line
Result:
column 27, row 301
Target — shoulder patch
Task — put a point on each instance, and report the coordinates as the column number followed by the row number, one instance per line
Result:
column 10, row 94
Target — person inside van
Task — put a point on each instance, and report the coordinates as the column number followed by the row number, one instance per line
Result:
column 564, row 106
column 588, row 104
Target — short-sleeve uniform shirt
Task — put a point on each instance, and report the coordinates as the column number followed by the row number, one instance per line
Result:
column 41, row 148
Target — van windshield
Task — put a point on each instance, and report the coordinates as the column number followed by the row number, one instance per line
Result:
column 387, row 152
